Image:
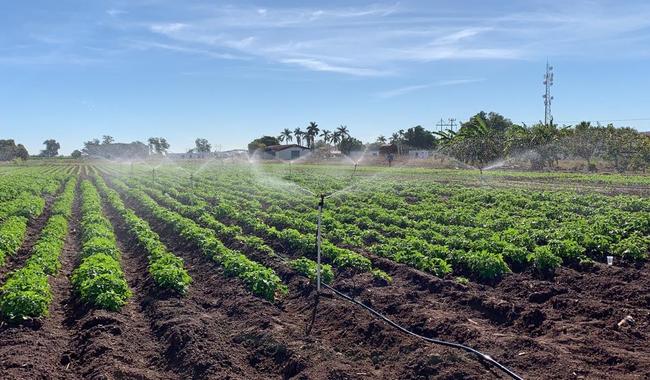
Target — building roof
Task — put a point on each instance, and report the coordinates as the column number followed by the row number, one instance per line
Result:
column 277, row 148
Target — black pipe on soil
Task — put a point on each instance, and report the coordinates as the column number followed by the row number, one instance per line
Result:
column 481, row 355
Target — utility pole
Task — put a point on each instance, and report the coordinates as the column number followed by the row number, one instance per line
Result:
column 548, row 82
column 441, row 124
column 451, row 123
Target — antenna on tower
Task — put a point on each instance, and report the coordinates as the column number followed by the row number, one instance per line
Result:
column 548, row 82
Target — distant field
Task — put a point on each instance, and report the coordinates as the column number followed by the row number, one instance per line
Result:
column 206, row 270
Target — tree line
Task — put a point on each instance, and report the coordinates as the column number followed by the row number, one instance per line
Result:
column 487, row 138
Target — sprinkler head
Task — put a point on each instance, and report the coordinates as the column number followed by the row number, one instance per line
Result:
column 321, row 203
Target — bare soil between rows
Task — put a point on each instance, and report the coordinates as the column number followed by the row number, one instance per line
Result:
column 560, row 328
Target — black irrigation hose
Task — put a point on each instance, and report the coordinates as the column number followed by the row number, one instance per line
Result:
column 481, row 355
column 377, row 314
column 374, row 312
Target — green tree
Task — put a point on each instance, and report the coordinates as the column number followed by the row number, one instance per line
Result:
column 262, row 143
column 9, row 150
column 298, row 134
column 475, row 143
column 419, row 138
column 312, row 132
column 285, row 136
column 584, row 141
column 51, row 148
column 202, row 145
column 158, row 145
column 623, row 146
column 326, row 135
column 350, row 144
column 76, row 154
column 106, row 139
column 21, row 152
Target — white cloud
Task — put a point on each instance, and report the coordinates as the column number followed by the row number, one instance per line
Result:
column 317, row 65
column 408, row 89
column 377, row 39
column 167, row 28
column 115, row 12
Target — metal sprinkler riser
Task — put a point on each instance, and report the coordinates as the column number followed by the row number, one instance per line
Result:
column 321, row 206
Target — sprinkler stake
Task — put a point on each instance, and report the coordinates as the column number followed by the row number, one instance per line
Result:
column 319, row 240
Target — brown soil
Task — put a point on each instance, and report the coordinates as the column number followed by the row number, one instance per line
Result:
column 34, row 227
column 41, row 349
column 562, row 328
column 254, row 338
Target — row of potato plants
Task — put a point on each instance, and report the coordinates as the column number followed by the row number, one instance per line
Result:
column 261, row 280
column 232, row 234
column 470, row 231
column 278, row 219
column 166, row 269
column 524, row 238
column 26, row 202
column 32, row 181
column 99, row 279
column 27, row 293
column 244, row 215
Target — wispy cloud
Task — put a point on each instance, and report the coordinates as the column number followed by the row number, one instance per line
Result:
column 115, row 12
column 316, row 65
column 366, row 41
column 409, row 89
column 149, row 45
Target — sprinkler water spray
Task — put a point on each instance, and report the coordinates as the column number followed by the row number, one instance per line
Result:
column 192, row 180
column 319, row 240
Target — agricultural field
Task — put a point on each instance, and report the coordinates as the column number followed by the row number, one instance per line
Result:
column 208, row 270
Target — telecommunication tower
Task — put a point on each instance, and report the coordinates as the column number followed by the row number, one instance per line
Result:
column 548, row 82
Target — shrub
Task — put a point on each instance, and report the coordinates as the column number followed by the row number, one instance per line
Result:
column 486, row 266
column 544, row 261
column 309, row 268
column 634, row 247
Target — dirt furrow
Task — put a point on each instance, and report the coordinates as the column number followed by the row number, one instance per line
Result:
column 34, row 227
column 41, row 349
column 337, row 341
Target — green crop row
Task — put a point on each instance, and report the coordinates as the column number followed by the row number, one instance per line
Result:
column 166, row 269
column 291, row 239
column 12, row 232
column 27, row 293
column 232, row 234
column 25, row 205
column 506, row 226
column 260, row 280
column 98, row 279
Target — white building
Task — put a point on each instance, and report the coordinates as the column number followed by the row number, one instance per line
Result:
column 284, row 152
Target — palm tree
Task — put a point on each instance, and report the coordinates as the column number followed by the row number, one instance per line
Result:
column 298, row 133
column 285, row 135
column 381, row 139
column 312, row 131
column 397, row 139
column 336, row 138
column 343, row 131
column 326, row 134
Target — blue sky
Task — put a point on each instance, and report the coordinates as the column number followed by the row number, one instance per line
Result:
column 229, row 72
